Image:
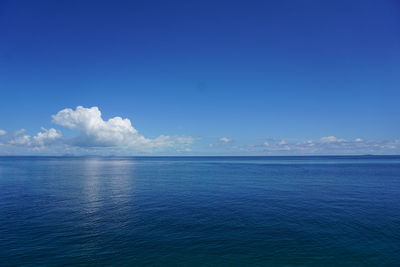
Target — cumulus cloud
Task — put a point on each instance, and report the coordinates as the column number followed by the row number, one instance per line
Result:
column 39, row 141
column 2, row 132
column 95, row 135
column 225, row 140
column 114, row 132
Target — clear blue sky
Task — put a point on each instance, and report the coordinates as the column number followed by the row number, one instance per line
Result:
column 250, row 71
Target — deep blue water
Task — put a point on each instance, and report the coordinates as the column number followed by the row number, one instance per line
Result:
column 208, row 211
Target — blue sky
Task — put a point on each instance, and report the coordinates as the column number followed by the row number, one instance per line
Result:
column 213, row 77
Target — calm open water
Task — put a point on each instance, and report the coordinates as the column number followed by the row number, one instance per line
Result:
column 206, row 211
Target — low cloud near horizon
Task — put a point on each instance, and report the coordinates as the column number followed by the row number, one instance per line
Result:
column 114, row 132
column 117, row 135
column 225, row 140
column 331, row 145
column 95, row 133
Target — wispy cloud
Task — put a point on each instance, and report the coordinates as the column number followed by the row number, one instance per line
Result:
column 330, row 145
column 331, row 139
column 224, row 139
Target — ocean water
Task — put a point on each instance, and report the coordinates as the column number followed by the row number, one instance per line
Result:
column 200, row 211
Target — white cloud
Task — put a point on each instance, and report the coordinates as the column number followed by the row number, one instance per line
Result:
column 114, row 132
column 329, row 139
column 330, row 145
column 118, row 136
column 276, row 146
column 47, row 136
column 19, row 132
column 40, row 140
column 225, row 140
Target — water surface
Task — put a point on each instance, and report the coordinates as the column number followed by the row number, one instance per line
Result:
column 200, row 211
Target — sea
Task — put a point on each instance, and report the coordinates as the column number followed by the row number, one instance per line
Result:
column 200, row 211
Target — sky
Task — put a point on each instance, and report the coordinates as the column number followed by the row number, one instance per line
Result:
column 199, row 77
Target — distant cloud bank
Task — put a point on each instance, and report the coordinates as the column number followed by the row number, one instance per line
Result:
column 331, row 145
column 95, row 135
